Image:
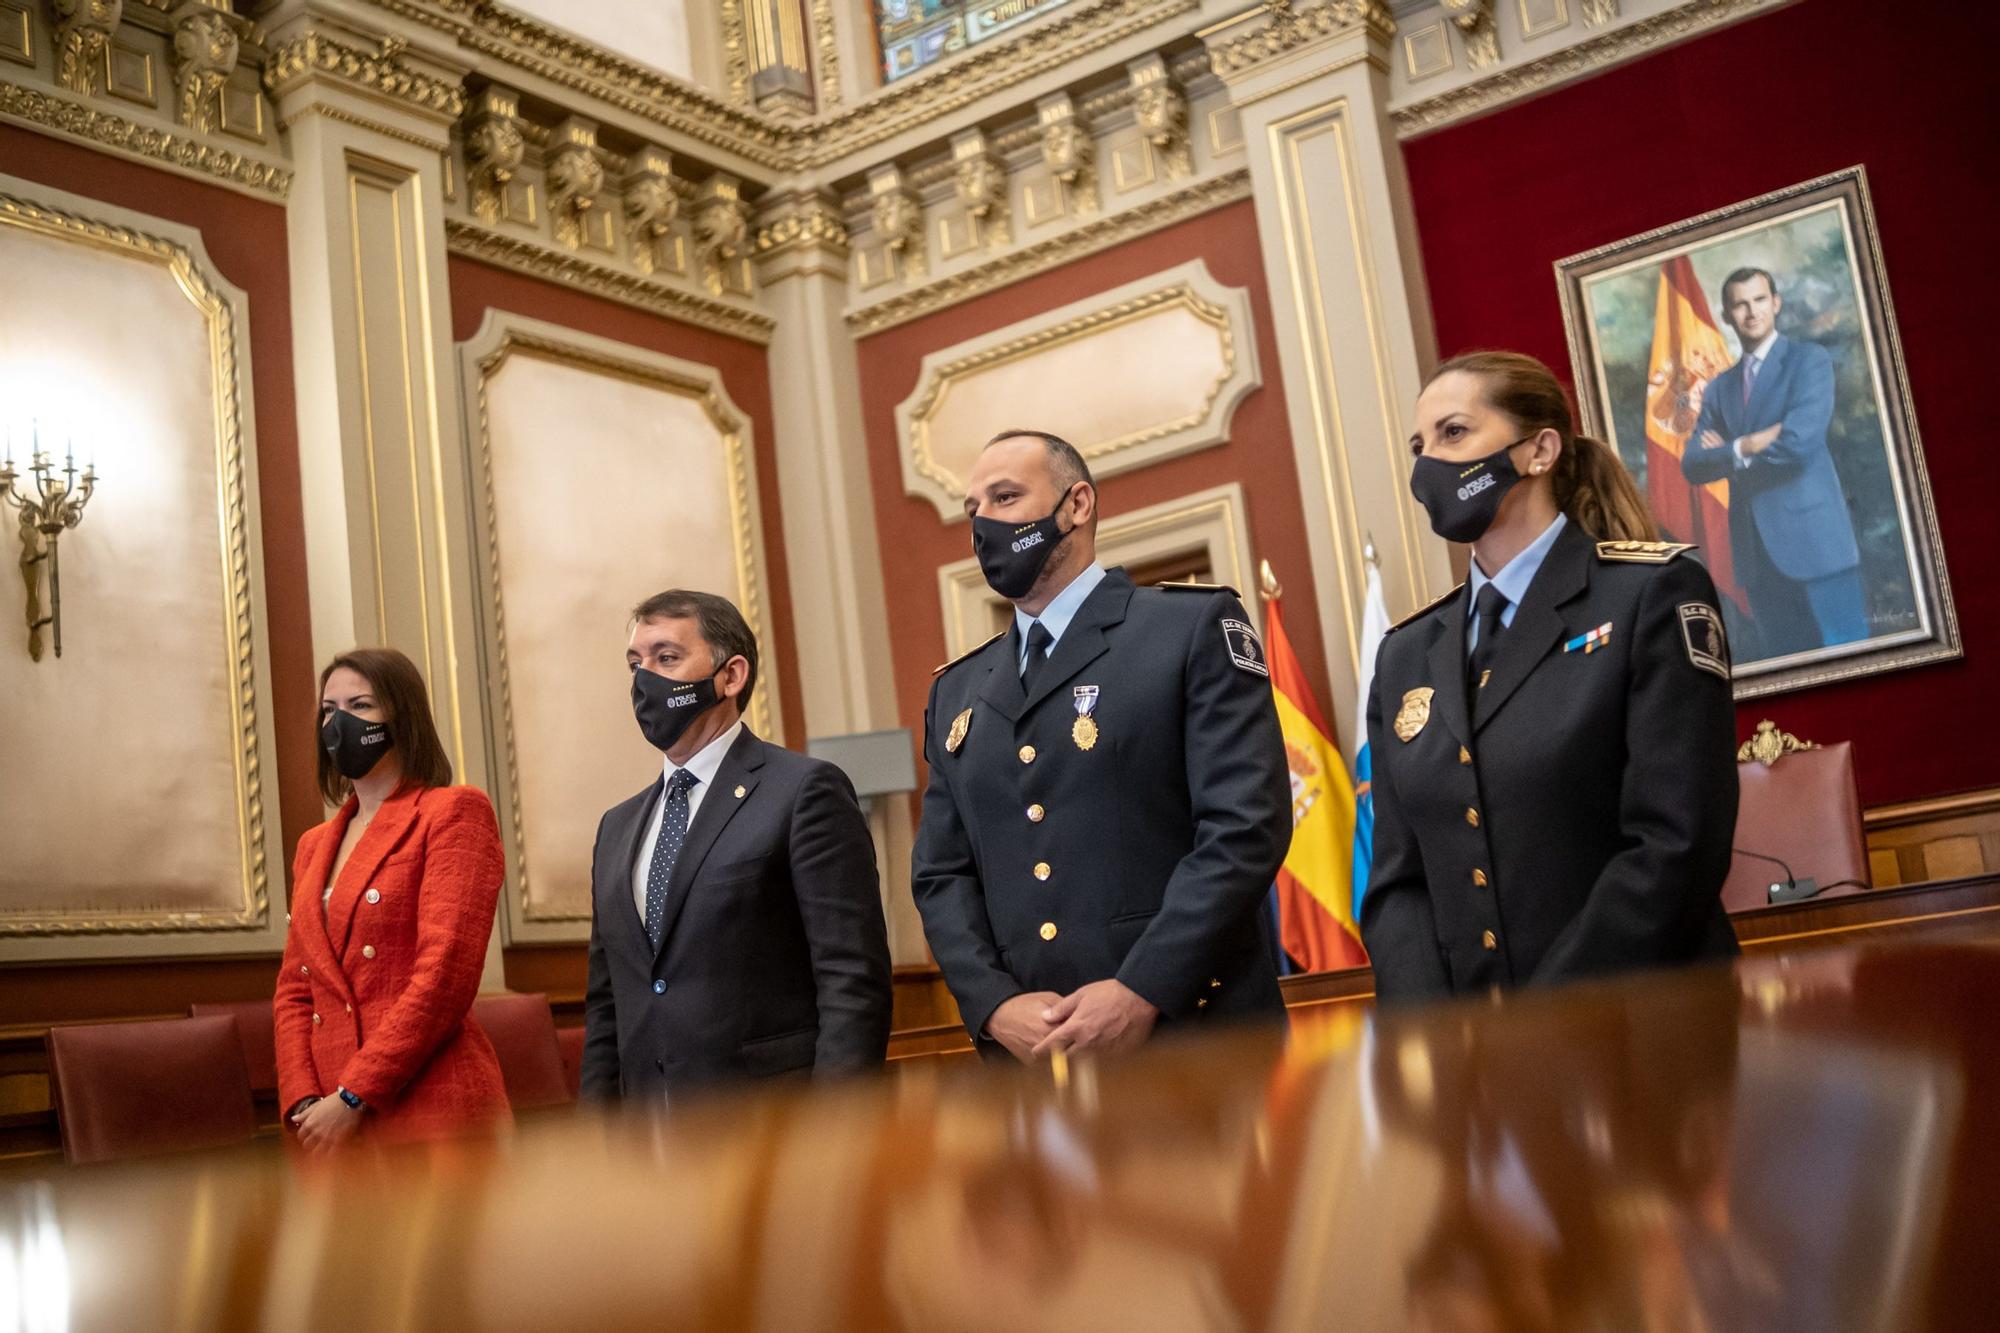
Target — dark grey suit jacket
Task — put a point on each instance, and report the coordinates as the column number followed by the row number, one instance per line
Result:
column 774, row 957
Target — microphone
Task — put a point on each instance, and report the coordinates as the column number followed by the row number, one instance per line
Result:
column 1794, row 889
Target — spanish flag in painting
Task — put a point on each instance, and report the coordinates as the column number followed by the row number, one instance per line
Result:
column 1315, row 887
column 1688, row 352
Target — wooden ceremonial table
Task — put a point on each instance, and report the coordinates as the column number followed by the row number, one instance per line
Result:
column 1807, row 1141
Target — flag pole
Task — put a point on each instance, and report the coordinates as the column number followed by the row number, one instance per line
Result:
column 1267, row 582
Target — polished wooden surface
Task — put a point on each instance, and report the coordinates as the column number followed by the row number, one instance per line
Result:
column 1810, row 1141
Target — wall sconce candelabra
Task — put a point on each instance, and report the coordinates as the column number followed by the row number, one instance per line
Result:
column 56, row 504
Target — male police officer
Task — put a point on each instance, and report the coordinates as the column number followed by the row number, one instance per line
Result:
column 1108, row 798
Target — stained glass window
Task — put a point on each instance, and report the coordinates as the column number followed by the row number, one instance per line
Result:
column 915, row 34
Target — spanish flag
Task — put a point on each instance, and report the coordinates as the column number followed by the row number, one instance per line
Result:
column 1688, row 352
column 1315, row 887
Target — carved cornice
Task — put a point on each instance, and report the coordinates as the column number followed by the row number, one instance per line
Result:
column 521, row 255
column 49, row 112
column 1572, row 62
column 1243, row 43
column 1099, row 234
column 801, row 222
column 381, row 72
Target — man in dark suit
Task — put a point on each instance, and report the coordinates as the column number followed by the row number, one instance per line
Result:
column 1108, row 799
column 736, row 924
column 1762, row 428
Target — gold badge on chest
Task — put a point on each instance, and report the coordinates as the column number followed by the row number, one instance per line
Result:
column 1415, row 712
column 1084, row 730
column 959, row 726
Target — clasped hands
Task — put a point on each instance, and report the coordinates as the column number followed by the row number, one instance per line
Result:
column 325, row 1123
column 1755, row 443
column 1104, row 1018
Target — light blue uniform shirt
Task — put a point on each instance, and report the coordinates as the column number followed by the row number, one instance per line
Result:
column 1055, row 617
column 1512, row 580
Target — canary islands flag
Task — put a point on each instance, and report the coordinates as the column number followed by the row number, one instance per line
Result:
column 1374, row 626
column 1316, row 920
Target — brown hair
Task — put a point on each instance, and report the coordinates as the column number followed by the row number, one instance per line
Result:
column 406, row 707
column 1591, row 486
column 722, row 627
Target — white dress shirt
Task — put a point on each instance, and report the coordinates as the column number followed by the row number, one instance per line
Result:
column 703, row 765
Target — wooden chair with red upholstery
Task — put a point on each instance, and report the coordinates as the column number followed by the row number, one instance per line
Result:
column 1798, row 818
column 257, row 1031
column 571, row 1041
column 136, row 1089
column 523, row 1032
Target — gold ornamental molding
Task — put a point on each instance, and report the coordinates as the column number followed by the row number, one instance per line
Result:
column 812, row 222
column 536, row 260
column 1183, row 317
column 1770, row 745
column 1101, row 233
column 1572, row 62
column 48, row 111
column 1282, row 26
column 503, row 336
column 380, row 71
column 86, row 222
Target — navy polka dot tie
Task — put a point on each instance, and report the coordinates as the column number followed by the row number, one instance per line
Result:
column 666, row 851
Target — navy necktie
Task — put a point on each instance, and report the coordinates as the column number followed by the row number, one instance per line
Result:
column 666, row 851
column 1039, row 640
column 1490, row 603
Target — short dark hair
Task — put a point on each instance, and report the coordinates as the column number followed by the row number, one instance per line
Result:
column 1066, row 465
column 723, row 628
column 1743, row 275
column 398, row 688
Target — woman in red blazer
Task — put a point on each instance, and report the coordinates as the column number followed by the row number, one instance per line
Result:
column 392, row 904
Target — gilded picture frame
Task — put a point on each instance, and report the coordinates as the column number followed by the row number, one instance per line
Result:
column 1798, row 468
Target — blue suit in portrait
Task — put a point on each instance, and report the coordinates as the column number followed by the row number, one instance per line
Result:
column 1791, row 539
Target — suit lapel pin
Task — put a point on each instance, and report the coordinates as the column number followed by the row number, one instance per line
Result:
column 959, row 726
column 1415, row 712
column 1590, row 642
column 741, row 791
column 1084, row 730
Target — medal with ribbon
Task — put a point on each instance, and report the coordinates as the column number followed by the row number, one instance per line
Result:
column 1084, row 730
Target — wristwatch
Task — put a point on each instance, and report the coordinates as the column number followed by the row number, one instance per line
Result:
column 354, row 1103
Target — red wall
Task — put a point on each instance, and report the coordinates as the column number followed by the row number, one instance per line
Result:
column 1764, row 104
column 915, row 542
column 745, row 371
column 246, row 239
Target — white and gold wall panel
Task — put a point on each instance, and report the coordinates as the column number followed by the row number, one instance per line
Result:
column 1211, row 527
column 135, row 768
column 1147, row 371
column 603, row 473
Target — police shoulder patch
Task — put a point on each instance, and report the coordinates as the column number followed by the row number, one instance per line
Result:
column 1425, row 609
column 939, row 671
column 1702, row 634
column 1640, row 553
column 1245, row 649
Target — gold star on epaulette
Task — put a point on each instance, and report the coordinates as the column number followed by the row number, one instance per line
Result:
column 967, row 653
column 1640, row 553
column 1425, row 609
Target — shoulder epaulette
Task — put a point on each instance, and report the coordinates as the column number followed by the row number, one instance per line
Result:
column 1640, row 553
column 1426, row 608
column 967, row 653
column 1191, row 586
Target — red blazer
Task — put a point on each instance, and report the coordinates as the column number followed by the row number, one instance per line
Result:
column 375, row 993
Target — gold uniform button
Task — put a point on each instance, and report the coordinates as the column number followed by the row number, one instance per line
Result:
column 1215, row 983
column 1489, row 940
column 1479, row 879
column 1048, row 930
column 373, row 896
column 1027, row 754
column 367, row 951
column 1035, row 813
column 1042, row 871
column 1464, row 755
column 1471, row 816
column 1202, row 1003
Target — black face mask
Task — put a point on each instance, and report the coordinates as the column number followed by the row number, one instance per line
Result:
column 354, row 744
column 1463, row 498
column 666, row 708
column 1013, row 555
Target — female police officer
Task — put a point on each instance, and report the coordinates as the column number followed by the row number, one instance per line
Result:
column 1554, row 777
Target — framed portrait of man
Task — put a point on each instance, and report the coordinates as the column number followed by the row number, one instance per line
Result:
column 1746, row 368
